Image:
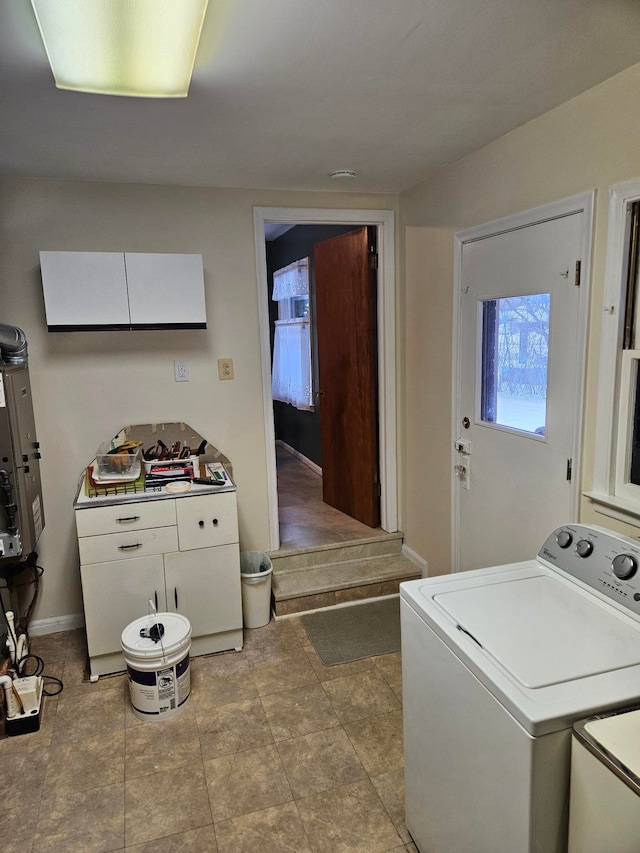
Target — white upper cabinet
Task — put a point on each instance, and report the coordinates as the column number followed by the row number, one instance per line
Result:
column 116, row 290
column 165, row 290
column 85, row 289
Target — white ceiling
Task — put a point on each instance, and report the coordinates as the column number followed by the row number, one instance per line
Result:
column 286, row 91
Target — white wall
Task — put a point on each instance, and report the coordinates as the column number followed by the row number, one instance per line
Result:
column 592, row 141
column 87, row 385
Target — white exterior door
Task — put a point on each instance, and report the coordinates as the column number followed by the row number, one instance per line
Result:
column 520, row 374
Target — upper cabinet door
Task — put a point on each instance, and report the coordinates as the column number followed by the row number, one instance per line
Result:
column 84, row 289
column 117, row 290
column 165, row 290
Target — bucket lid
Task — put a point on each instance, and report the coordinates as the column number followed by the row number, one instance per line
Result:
column 177, row 630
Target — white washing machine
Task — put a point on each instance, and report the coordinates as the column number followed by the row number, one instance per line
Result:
column 498, row 664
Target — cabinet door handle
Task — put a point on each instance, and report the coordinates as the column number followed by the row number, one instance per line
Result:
column 128, row 518
column 128, row 547
column 155, row 596
column 175, row 596
column 201, row 523
column 215, row 522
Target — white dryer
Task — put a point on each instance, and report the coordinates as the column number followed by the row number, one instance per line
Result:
column 498, row 664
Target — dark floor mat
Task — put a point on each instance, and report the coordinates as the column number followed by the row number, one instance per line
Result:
column 359, row 631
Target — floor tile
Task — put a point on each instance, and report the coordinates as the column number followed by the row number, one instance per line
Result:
column 300, row 711
column 283, row 671
column 305, row 520
column 390, row 789
column 18, row 827
column 378, row 742
column 21, row 772
column 228, row 729
column 166, row 803
column 95, row 710
column 279, row 635
column 319, row 761
column 160, row 746
column 391, row 668
column 220, row 680
column 82, row 822
column 202, row 840
column 87, row 763
column 248, row 781
column 359, row 696
column 273, row 830
column 348, row 819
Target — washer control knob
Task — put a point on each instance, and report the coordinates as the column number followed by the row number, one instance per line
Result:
column 624, row 566
column 584, row 547
column 564, row 538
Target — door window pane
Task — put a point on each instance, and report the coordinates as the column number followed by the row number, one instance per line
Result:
column 515, row 356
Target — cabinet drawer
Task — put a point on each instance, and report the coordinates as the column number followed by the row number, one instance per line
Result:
column 207, row 520
column 125, row 516
column 124, row 546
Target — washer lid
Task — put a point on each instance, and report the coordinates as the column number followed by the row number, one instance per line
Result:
column 541, row 631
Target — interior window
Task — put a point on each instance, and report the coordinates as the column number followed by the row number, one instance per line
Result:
column 616, row 477
column 515, row 356
column 291, row 376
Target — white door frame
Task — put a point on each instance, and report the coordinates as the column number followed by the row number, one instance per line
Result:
column 582, row 203
column 384, row 221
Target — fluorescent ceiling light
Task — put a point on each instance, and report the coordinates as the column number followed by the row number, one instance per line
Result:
column 144, row 48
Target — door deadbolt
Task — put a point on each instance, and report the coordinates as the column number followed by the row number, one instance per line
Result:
column 466, row 423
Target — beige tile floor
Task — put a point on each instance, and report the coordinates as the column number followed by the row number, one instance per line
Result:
column 305, row 520
column 273, row 752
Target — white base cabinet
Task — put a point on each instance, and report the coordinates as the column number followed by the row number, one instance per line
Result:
column 188, row 563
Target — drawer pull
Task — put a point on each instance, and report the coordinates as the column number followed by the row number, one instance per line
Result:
column 128, row 547
column 215, row 522
column 128, row 518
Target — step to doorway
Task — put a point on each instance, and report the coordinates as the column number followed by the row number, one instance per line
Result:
column 311, row 578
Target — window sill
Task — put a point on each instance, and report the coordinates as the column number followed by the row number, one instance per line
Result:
column 614, row 507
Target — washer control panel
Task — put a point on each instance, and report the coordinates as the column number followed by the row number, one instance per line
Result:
column 604, row 560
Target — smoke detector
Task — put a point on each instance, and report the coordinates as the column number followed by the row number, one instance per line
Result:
column 343, row 174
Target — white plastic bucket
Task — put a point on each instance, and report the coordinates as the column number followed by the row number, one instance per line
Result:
column 159, row 677
column 255, row 574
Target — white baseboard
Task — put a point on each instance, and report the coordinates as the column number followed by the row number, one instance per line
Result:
column 58, row 623
column 305, row 461
column 416, row 559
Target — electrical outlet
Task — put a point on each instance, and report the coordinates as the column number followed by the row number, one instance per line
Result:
column 225, row 368
column 181, row 369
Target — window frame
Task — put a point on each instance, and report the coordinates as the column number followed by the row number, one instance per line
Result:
column 612, row 494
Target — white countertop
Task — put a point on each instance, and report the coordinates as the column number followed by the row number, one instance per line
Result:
column 157, row 492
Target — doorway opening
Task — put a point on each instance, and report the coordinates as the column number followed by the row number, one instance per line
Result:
column 298, row 516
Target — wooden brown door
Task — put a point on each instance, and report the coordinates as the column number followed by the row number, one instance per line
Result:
column 345, row 286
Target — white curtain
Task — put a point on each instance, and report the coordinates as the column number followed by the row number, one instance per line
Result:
column 292, row 280
column 291, row 376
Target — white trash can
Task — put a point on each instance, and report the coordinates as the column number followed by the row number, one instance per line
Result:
column 255, row 572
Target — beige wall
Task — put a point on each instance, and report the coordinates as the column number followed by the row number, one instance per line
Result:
column 590, row 142
column 88, row 385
